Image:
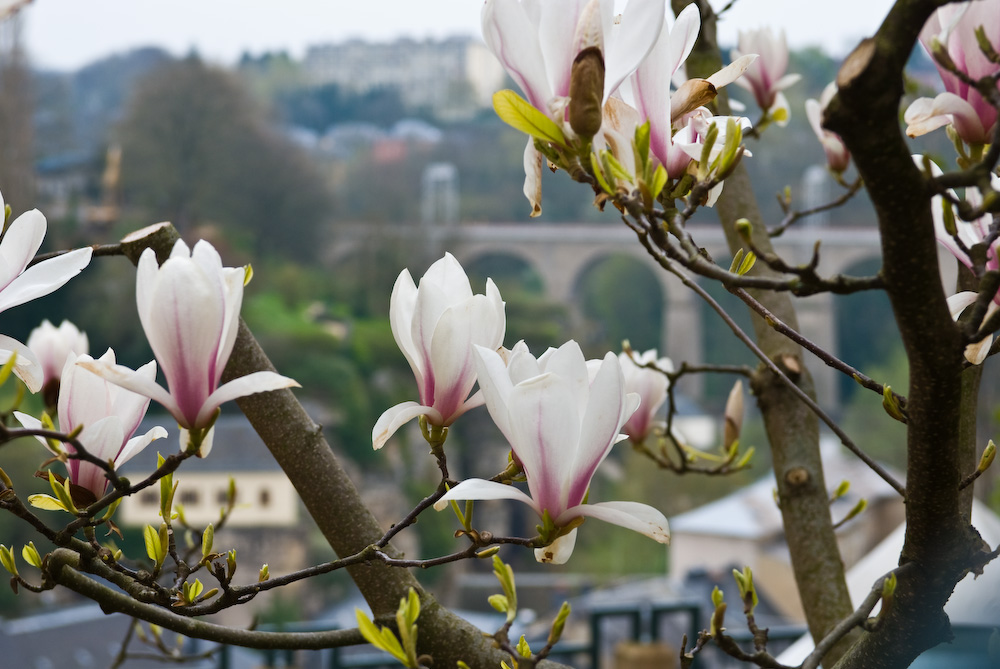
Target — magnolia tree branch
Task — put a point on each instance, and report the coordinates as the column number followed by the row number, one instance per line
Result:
column 939, row 539
column 299, row 447
column 792, row 427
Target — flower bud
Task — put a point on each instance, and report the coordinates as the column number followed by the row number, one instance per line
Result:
column 586, row 89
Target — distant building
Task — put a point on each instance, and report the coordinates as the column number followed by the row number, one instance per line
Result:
column 453, row 77
column 264, row 526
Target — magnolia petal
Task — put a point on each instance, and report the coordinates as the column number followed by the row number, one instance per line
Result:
column 44, row 278
column 513, row 37
column 977, row 352
column 546, row 433
column 402, row 305
column 495, row 386
column 642, row 518
column 925, row 115
column 33, row 423
column 559, row 551
column 484, row 490
column 138, row 383
column 733, row 71
column 257, row 382
column 395, row 417
column 102, row 439
column 602, row 420
column 20, row 243
column 533, row 177
column 641, row 26
column 26, row 367
column 780, row 111
column 136, row 444
column 786, row 81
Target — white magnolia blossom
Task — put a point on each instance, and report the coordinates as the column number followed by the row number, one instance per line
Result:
column 52, row 345
column 108, row 414
column 766, row 77
column 961, row 105
column 650, row 385
column 189, row 308
column 561, row 417
column 436, row 327
column 837, row 155
column 20, row 283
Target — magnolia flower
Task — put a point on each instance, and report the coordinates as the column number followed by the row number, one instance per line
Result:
column 536, row 42
column 970, row 234
column 108, row 414
column 672, row 139
column 766, row 77
column 52, row 345
column 651, row 387
column 189, row 308
column 953, row 28
column 436, row 327
column 837, row 155
column 20, row 284
column 561, row 420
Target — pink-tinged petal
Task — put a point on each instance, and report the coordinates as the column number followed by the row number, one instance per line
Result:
column 402, row 305
column 258, row 382
column 137, row 383
column 484, row 490
column 129, row 406
column 603, row 418
column 51, row 345
column 102, row 439
column 683, row 36
column 45, row 277
column 559, row 551
column 925, row 115
column 495, row 386
column 232, row 286
column 20, row 243
column 452, row 359
column 395, row 417
column 642, row 518
column 183, row 330
column 83, row 396
column 512, row 36
column 641, row 27
column 27, row 368
column 533, row 177
column 557, row 36
column 135, row 445
column 545, row 425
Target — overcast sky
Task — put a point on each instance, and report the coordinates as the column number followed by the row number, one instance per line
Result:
column 65, row 34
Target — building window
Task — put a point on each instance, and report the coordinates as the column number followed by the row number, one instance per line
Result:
column 149, row 498
column 264, row 497
column 189, row 497
column 222, row 497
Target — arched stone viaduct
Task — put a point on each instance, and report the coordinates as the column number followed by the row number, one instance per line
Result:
column 562, row 253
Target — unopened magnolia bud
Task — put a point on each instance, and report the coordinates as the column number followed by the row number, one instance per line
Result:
column 586, row 90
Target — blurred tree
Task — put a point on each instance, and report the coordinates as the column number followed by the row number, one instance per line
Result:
column 198, row 151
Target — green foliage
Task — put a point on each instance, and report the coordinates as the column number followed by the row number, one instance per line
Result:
column 621, row 299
